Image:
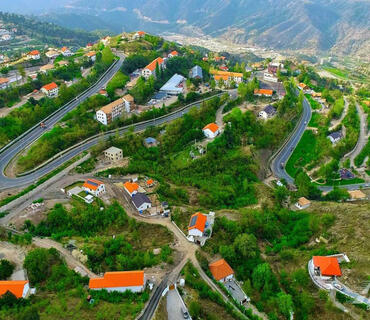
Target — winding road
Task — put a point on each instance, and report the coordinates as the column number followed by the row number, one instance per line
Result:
column 17, row 145
column 7, row 155
column 282, row 156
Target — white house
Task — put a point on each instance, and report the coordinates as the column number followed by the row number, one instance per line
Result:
column 335, row 136
column 267, row 112
column 303, row 203
column 95, row 187
column 129, row 101
column 106, row 40
column 139, row 34
column 211, row 130
column 66, row 52
column 21, row 288
column 221, row 271
column 131, row 188
column 120, row 281
column 197, row 225
column 113, row 154
column 141, row 201
column 174, row 86
column 107, row 114
column 51, row 90
column 4, row 83
column 51, row 54
column 34, row 55
column 149, row 70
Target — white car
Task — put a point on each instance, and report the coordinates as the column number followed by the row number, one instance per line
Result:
column 338, row 286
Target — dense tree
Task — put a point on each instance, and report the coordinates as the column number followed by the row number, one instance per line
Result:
column 39, row 263
column 6, row 269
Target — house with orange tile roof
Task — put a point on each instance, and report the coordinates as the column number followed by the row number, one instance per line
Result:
column 263, row 92
column 197, row 225
column 149, row 70
column 94, row 187
column 91, row 55
column 211, row 130
column 227, row 76
column 21, row 289
column 120, row 281
column 131, row 188
column 173, row 54
column 107, row 114
column 326, row 267
column 66, row 52
column 303, row 203
column 4, row 83
column 34, row 55
column 221, row 270
column 51, row 90
column 150, row 183
column 139, row 34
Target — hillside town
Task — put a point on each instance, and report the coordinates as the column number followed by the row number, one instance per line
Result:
column 148, row 179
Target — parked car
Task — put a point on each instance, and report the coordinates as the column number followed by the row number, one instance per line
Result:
column 338, row 286
column 185, row 313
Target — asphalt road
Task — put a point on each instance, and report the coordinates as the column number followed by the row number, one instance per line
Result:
column 13, row 148
column 279, row 162
column 5, row 157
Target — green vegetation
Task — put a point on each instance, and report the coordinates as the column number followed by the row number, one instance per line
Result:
column 6, row 269
column 127, row 250
column 118, row 82
column 338, row 72
column 281, row 235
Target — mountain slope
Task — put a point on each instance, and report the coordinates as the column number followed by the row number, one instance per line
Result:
column 45, row 32
column 317, row 25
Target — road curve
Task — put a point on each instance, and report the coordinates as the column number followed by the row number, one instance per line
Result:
column 281, row 158
column 6, row 182
column 13, row 148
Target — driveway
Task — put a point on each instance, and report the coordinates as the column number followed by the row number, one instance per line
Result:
column 174, row 305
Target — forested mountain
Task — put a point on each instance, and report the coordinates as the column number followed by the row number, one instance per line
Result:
column 45, row 32
column 326, row 25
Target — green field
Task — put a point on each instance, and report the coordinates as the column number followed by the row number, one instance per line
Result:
column 338, row 72
column 303, row 154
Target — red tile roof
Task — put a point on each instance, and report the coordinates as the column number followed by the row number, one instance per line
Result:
column 220, row 269
column 141, row 33
column 266, row 92
column 198, row 221
column 212, row 126
column 15, row 287
column 92, row 184
column 50, row 86
column 174, row 53
column 34, row 52
column 151, row 66
column 118, row 279
column 329, row 266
